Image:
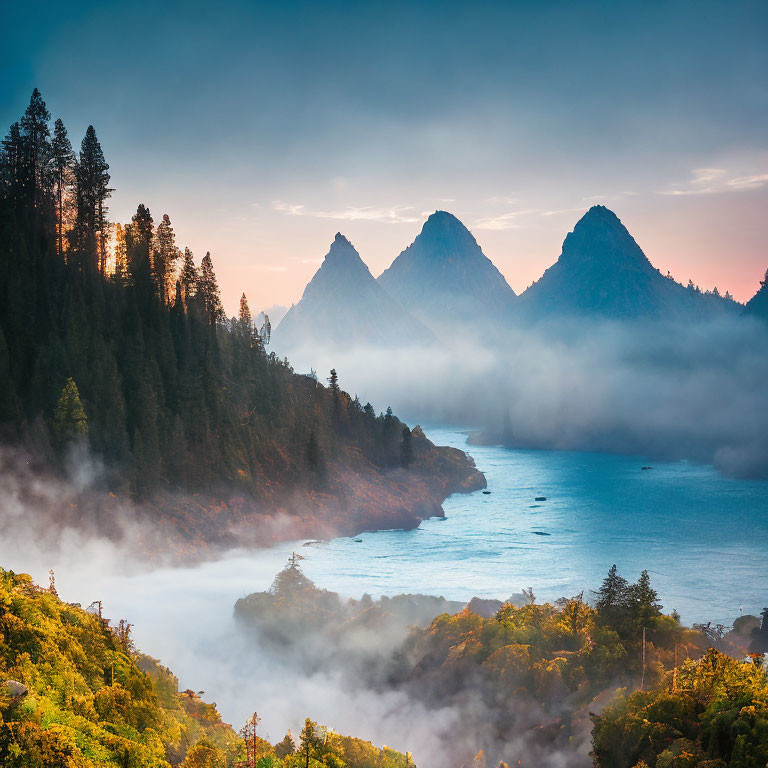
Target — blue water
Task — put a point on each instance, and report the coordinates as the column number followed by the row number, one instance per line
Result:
column 702, row 537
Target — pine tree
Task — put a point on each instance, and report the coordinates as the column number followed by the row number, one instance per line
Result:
column 644, row 601
column 333, row 381
column 13, row 166
column 64, row 165
column 121, row 257
column 613, row 592
column 208, row 290
column 138, row 243
column 34, row 127
column 310, row 741
column 70, row 422
column 166, row 254
column 245, row 312
column 92, row 192
column 188, row 277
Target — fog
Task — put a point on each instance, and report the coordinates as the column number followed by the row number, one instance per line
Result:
column 184, row 617
column 695, row 391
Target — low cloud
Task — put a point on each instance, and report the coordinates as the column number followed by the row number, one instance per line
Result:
column 504, row 220
column 709, row 181
column 403, row 214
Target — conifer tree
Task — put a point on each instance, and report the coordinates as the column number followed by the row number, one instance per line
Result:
column 333, row 381
column 92, row 192
column 613, row 592
column 34, row 126
column 69, row 418
column 188, row 277
column 208, row 290
column 166, row 254
column 245, row 312
column 63, row 166
column 121, row 256
column 644, row 601
column 309, row 741
column 138, row 240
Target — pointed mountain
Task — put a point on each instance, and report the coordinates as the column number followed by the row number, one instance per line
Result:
column 758, row 304
column 444, row 278
column 343, row 304
column 603, row 271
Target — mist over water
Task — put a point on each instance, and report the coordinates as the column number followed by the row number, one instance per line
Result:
column 701, row 535
column 587, row 408
column 676, row 390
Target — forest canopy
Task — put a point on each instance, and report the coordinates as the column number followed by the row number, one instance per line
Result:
column 114, row 337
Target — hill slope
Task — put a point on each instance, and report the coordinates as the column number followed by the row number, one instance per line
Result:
column 124, row 367
column 602, row 271
column 445, row 279
column 74, row 693
column 344, row 305
column 758, row 304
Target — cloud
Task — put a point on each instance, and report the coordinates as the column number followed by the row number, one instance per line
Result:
column 558, row 211
column 400, row 214
column 503, row 221
column 749, row 182
column 708, row 181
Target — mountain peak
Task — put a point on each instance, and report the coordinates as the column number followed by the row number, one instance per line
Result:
column 603, row 271
column 342, row 303
column 342, row 255
column 442, row 220
column 599, row 215
column 444, row 276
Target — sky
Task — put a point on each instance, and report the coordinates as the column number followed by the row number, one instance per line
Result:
column 262, row 129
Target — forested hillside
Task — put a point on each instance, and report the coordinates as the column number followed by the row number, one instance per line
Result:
column 114, row 339
column 75, row 693
column 543, row 683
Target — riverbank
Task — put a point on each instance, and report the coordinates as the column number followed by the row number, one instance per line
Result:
column 350, row 497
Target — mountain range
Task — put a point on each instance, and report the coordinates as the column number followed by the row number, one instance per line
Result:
column 344, row 303
column 443, row 282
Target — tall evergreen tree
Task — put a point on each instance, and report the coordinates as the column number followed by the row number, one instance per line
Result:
column 64, row 170
column 138, row 245
column 644, row 601
column 188, row 277
column 34, row 126
column 69, row 418
column 613, row 592
column 121, row 255
column 245, row 311
column 165, row 256
column 92, row 192
column 309, row 741
column 208, row 290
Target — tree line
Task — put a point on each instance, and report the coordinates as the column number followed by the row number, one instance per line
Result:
column 112, row 336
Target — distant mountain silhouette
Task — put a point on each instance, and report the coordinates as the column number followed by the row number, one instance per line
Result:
column 343, row 304
column 758, row 304
column 445, row 280
column 602, row 271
